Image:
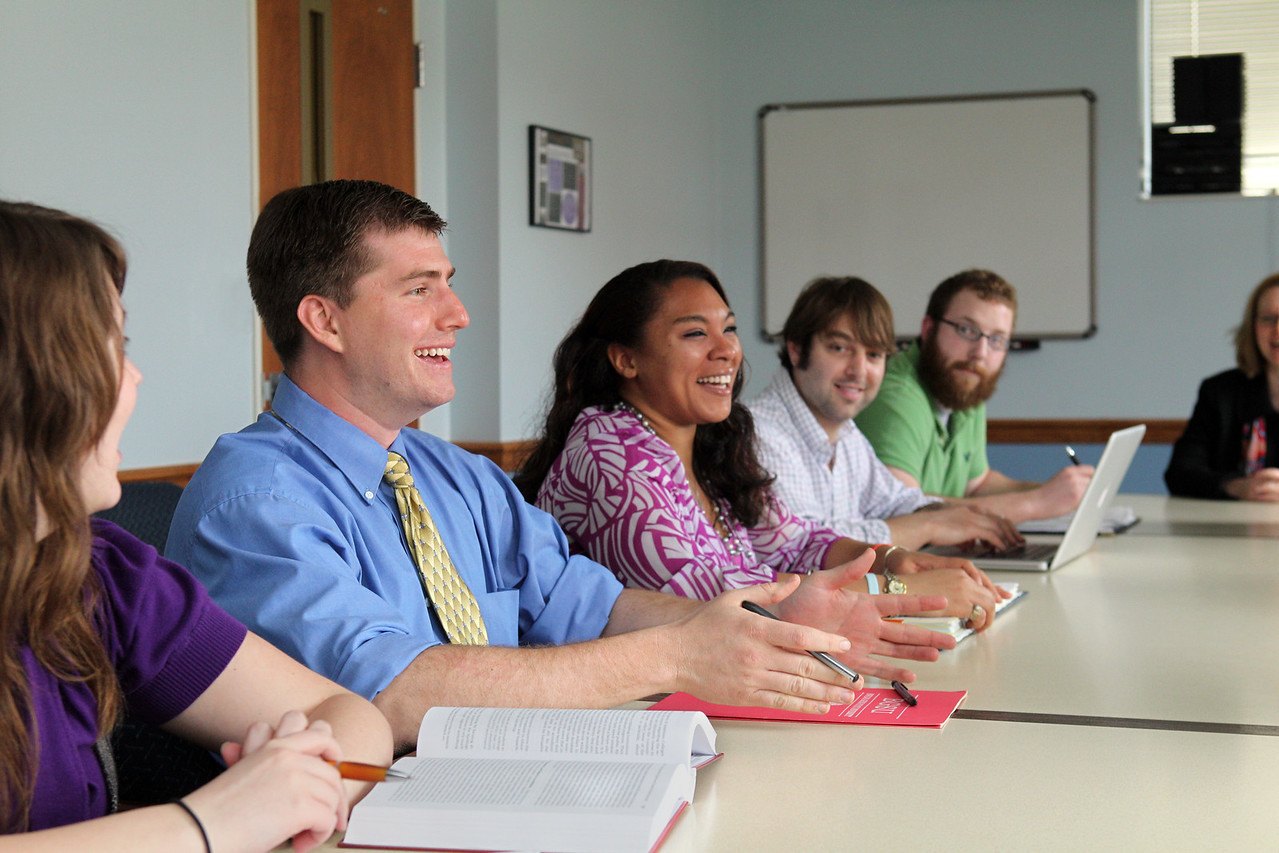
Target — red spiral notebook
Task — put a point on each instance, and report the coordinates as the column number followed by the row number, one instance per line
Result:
column 874, row 706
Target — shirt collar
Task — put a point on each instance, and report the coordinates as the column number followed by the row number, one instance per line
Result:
column 810, row 430
column 351, row 450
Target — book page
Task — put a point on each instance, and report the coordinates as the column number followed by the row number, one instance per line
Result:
column 542, row 785
column 522, row 804
column 557, row 732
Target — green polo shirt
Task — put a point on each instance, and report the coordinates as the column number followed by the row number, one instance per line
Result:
column 904, row 427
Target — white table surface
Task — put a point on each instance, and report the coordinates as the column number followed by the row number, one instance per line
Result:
column 1164, row 628
column 1152, row 627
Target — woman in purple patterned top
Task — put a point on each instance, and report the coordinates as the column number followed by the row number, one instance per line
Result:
column 96, row 622
column 648, row 462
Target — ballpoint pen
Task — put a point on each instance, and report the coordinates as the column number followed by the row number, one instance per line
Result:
column 367, row 772
column 1070, row 451
column 821, row 656
column 907, row 697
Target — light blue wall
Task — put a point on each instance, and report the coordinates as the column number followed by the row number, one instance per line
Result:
column 640, row 79
column 1041, row 461
column 140, row 117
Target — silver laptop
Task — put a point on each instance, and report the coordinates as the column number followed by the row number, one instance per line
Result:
column 1082, row 532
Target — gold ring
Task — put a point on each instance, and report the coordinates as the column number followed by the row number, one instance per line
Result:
column 978, row 613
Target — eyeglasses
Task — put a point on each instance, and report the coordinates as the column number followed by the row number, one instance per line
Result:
column 997, row 343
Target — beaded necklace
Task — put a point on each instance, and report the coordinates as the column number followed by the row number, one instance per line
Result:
column 722, row 524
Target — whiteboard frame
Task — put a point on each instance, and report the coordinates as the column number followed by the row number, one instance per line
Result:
column 1019, row 342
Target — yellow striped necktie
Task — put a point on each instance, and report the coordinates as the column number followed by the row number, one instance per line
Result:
column 454, row 603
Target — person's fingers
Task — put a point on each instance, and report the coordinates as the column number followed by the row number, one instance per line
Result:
column 887, row 671
column 909, row 605
column 291, row 723
column 768, row 594
column 998, row 527
column 845, row 573
column 255, row 738
column 981, row 616
column 328, row 807
column 800, row 684
column 231, row 752
column 1011, row 531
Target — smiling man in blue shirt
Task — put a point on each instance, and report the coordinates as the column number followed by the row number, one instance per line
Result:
column 293, row 529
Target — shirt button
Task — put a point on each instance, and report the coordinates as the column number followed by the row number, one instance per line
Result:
column 368, row 496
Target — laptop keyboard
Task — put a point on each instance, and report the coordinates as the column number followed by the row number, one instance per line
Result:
column 1038, row 551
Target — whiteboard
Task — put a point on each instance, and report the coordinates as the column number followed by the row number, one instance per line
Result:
column 906, row 193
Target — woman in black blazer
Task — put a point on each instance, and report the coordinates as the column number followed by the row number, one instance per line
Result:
column 1230, row 448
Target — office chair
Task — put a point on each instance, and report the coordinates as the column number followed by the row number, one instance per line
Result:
column 145, row 510
column 152, row 765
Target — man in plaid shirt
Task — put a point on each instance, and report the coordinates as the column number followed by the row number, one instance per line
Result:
column 836, row 343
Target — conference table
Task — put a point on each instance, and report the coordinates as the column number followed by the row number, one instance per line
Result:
column 1129, row 701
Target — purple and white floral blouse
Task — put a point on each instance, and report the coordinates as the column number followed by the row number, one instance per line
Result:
column 623, row 498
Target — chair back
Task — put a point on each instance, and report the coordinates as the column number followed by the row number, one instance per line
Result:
column 146, row 510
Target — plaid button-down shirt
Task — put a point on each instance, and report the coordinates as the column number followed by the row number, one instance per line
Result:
column 842, row 485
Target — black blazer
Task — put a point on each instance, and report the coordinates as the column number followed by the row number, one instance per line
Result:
column 1210, row 451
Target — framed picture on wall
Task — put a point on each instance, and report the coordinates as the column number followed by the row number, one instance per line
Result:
column 559, row 167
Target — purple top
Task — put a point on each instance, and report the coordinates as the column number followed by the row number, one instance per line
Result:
column 168, row 641
column 621, row 495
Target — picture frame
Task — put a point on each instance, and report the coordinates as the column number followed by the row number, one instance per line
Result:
column 559, row 179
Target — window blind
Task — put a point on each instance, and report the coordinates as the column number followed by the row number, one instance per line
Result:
column 1204, row 27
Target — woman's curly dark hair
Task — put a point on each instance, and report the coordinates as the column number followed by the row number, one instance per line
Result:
column 724, row 458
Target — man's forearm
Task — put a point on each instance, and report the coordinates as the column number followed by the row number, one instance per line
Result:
column 911, row 531
column 996, row 483
column 594, row 674
column 635, row 609
column 1005, row 496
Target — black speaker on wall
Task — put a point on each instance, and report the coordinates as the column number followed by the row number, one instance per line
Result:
column 1196, row 158
column 1201, row 151
column 1207, row 89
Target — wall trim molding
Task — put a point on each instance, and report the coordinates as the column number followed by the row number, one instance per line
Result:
column 1078, row 430
column 508, row 455
column 179, row 474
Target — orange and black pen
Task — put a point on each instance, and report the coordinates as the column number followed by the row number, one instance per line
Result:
column 366, row 772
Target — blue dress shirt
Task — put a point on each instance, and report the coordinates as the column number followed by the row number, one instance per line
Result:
column 293, row 530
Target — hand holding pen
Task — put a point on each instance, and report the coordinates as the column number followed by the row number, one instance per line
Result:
column 821, row 656
column 898, row 687
column 830, row 599
column 1062, row 492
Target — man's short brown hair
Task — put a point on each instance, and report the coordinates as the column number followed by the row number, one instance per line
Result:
column 825, row 300
column 311, row 240
column 986, row 284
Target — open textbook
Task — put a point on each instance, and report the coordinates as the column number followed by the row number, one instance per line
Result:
column 956, row 627
column 538, row 779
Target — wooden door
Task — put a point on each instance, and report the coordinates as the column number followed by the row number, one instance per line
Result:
column 335, row 99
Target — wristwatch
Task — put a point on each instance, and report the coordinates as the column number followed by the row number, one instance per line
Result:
column 894, row 585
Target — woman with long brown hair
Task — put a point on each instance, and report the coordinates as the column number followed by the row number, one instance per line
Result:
column 95, row 622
